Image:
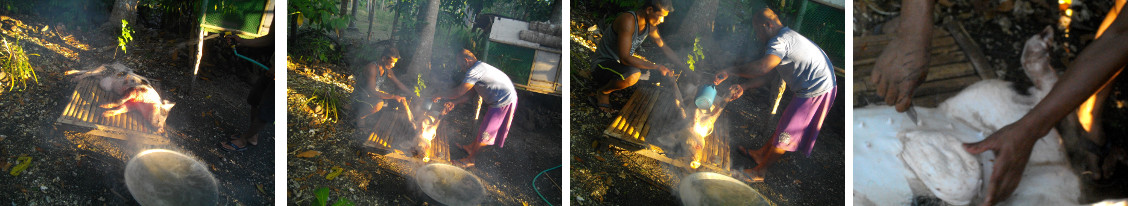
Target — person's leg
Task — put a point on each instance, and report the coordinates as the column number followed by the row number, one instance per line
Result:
column 1089, row 113
column 487, row 135
column 367, row 110
column 503, row 130
column 797, row 131
column 622, row 76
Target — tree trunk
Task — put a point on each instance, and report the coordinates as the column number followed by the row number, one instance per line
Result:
column 371, row 18
column 352, row 21
column 421, row 60
column 699, row 20
column 123, row 10
column 344, row 8
column 395, row 25
column 556, row 9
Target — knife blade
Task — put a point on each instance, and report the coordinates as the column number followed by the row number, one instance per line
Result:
column 912, row 115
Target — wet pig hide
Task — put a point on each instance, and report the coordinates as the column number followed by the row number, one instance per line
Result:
column 896, row 160
column 135, row 93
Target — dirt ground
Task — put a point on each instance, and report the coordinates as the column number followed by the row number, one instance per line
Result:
column 70, row 168
column 369, row 179
column 1001, row 29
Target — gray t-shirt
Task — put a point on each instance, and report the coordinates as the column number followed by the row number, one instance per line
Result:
column 803, row 65
column 492, row 84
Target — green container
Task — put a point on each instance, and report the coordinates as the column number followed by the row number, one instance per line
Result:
column 823, row 25
column 246, row 18
column 515, row 61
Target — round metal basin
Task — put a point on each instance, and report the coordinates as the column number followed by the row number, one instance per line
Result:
column 707, row 188
column 450, row 185
column 163, row 177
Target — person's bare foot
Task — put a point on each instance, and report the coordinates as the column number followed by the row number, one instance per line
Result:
column 603, row 102
column 754, row 176
column 466, row 147
column 754, row 154
column 463, row 163
column 253, row 140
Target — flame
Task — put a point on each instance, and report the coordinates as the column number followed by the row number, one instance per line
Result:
column 702, row 127
column 429, row 128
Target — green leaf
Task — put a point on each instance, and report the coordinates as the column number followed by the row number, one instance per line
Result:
column 322, row 195
column 343, row 202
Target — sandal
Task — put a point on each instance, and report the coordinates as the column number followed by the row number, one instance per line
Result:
column 234, row 148
column 606, row 108
column 235, row 137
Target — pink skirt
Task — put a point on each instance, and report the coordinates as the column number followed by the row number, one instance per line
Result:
column 801, row 121
column 495, row 125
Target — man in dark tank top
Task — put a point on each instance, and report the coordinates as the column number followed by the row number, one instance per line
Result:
column 615, row 64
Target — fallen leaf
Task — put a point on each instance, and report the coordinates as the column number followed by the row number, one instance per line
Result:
column 308, row 154
column 336, row 172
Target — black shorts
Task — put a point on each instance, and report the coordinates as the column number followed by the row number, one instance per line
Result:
column 612, row 70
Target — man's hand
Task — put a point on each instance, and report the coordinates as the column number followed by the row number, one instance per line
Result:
column 721, row 76
column 1012, row 146
column 900, row 69
column 735, row 91
column 665, row 71
column 447, row 107
column 400, row 99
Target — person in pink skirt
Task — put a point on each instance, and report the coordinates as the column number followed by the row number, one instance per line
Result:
column 497, row 91
column 807, row 71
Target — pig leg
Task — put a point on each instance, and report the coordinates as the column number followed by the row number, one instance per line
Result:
column 117, row 107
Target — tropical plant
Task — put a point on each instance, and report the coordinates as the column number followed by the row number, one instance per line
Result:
column 697, row 55
column 15, row 64
column 326, row 105
column 321, row 14
column 126, row 35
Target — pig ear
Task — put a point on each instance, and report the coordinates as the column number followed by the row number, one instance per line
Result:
column 1047, row 34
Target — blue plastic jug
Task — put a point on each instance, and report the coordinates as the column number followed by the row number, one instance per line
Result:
column 705, row 97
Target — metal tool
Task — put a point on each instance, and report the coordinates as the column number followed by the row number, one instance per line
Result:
column 912, row 115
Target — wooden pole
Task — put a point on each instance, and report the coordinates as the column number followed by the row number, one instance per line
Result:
column 781, row 88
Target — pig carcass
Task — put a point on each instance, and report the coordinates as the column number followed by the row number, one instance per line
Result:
column 134, row 93
column 896, row 160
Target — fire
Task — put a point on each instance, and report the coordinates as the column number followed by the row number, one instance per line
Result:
column 702, row 127
column 428, row 127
